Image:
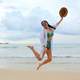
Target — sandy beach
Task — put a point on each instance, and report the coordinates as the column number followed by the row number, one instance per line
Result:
column 8, row 74
column 16, row 64
column 25, row 69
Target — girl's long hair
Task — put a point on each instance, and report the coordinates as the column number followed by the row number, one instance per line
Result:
column 51, row 26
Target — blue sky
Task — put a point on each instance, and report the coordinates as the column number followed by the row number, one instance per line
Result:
column 20, row 19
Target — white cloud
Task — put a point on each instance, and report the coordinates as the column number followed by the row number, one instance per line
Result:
column 18, row 17
column 61, row 38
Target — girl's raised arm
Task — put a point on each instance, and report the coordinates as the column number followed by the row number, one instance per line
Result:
column 57, row 24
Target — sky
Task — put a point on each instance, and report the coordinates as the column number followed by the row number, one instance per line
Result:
column 20, row 20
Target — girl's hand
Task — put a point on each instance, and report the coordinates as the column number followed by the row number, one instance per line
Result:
column 61, row 18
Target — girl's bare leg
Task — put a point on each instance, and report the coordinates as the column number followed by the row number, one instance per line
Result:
column 44, row 52
column 37, row 55
column 49, row 58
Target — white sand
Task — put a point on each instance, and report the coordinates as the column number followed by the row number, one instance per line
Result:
column 8, row 74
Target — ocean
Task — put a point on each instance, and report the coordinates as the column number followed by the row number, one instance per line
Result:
column 20, row 55
column 21, row 51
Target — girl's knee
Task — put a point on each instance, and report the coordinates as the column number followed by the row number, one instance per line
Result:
column 40, row 59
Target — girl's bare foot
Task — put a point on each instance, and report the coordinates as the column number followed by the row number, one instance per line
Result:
column 31, row 47
column 39, row 66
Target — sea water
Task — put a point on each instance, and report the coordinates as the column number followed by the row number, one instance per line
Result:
column 20, row 55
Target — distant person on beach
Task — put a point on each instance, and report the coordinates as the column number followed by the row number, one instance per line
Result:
column 46, row 38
